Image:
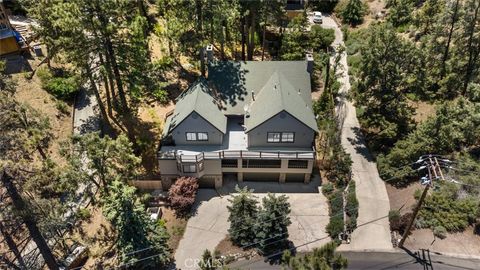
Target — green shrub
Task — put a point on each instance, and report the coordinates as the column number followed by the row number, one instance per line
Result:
column 394, row 218
column 62, row 107
column 336, row 203
column 352, row 202
column 352, row 223
column 63, row 86
column 84, row 214
column 327, row 189
column 440, row 232
column 335, row 227
column 161, row 95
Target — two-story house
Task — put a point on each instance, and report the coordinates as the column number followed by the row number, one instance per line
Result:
column 251, row 120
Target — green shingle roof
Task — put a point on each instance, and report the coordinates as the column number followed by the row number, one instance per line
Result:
column 199, row 98
column 234, row 81
column 278, row 95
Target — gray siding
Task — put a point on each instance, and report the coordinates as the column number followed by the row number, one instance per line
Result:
column 195, row 123
column 304, row 135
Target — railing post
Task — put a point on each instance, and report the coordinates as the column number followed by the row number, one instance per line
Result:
column 278, row 154
column 260, row 154
column 241, row 153
column 296, row 154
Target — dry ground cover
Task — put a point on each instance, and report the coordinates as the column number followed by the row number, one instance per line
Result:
column 466, row 243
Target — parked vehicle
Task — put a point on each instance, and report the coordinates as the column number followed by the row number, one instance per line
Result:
column 317, row 17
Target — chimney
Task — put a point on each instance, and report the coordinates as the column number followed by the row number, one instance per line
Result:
column 202, row 61
column 309, row 59
column 253, row 96
column 209, row 50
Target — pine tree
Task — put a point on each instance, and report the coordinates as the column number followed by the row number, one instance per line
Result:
column 135, row 230
column 271, row 227
column 243, row 212
column 385, row 71
column 353, row 12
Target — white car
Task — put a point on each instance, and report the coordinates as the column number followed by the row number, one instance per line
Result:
column 317, row 17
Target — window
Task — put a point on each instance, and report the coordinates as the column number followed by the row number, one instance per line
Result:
column 273, row 137
column 288, row 136
column 298, row 164
column 191, row 136
column 202, row 136
column 190, row 168
column 284, row 137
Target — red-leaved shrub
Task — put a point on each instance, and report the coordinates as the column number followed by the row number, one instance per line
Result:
column 182, row 194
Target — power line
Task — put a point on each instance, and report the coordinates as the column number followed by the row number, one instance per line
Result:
column 306, row 243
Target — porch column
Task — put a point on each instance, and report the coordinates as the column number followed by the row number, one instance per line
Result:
column 282, row 178
column 240, row 176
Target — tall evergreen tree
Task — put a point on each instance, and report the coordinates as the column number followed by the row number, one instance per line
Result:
column 386, row 65
column 271, row 227
column 136, row 231
column 243, row 213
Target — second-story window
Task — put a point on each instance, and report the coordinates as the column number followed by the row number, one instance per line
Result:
column 191, row 136
column 288, row 137
column 197, row 136
column 202, row 136
column 273, row 137
column 284, row 137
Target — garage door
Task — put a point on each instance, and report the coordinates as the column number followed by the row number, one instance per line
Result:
column 261, row 177
column 207, row 182
column 295, row 177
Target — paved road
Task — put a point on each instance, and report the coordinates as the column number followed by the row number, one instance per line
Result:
column 209, row 225
column 373, row 232
column 86, row 117
column 383, row 260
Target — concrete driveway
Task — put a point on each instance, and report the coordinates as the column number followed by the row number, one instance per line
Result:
column 209, row 225
column 373, row 231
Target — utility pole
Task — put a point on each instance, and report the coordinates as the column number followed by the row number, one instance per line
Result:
column 434, row 170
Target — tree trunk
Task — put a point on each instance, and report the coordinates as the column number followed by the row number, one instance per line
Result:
column 222, row 44
column 263, row 39
column 470, row 63
column 211, row 21
column 243, row 30
column 449, row 39
column 94, row 88
column 198, row 7
column 29, row 221
column 12, row 246
column 108, row 87
column 251, row 43
column 143, row 12
column 116, row 73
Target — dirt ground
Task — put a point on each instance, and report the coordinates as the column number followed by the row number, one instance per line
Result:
column 464, row 243
column 175, row 227
column 402, row 198
column 30, row 92
column 423, row 110
column 96, row 234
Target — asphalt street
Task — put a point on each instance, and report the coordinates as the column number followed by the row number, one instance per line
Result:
column 384, row 260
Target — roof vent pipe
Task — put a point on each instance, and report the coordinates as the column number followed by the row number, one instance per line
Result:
column 253, row 96
column 309, row 59
column 209, row 50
